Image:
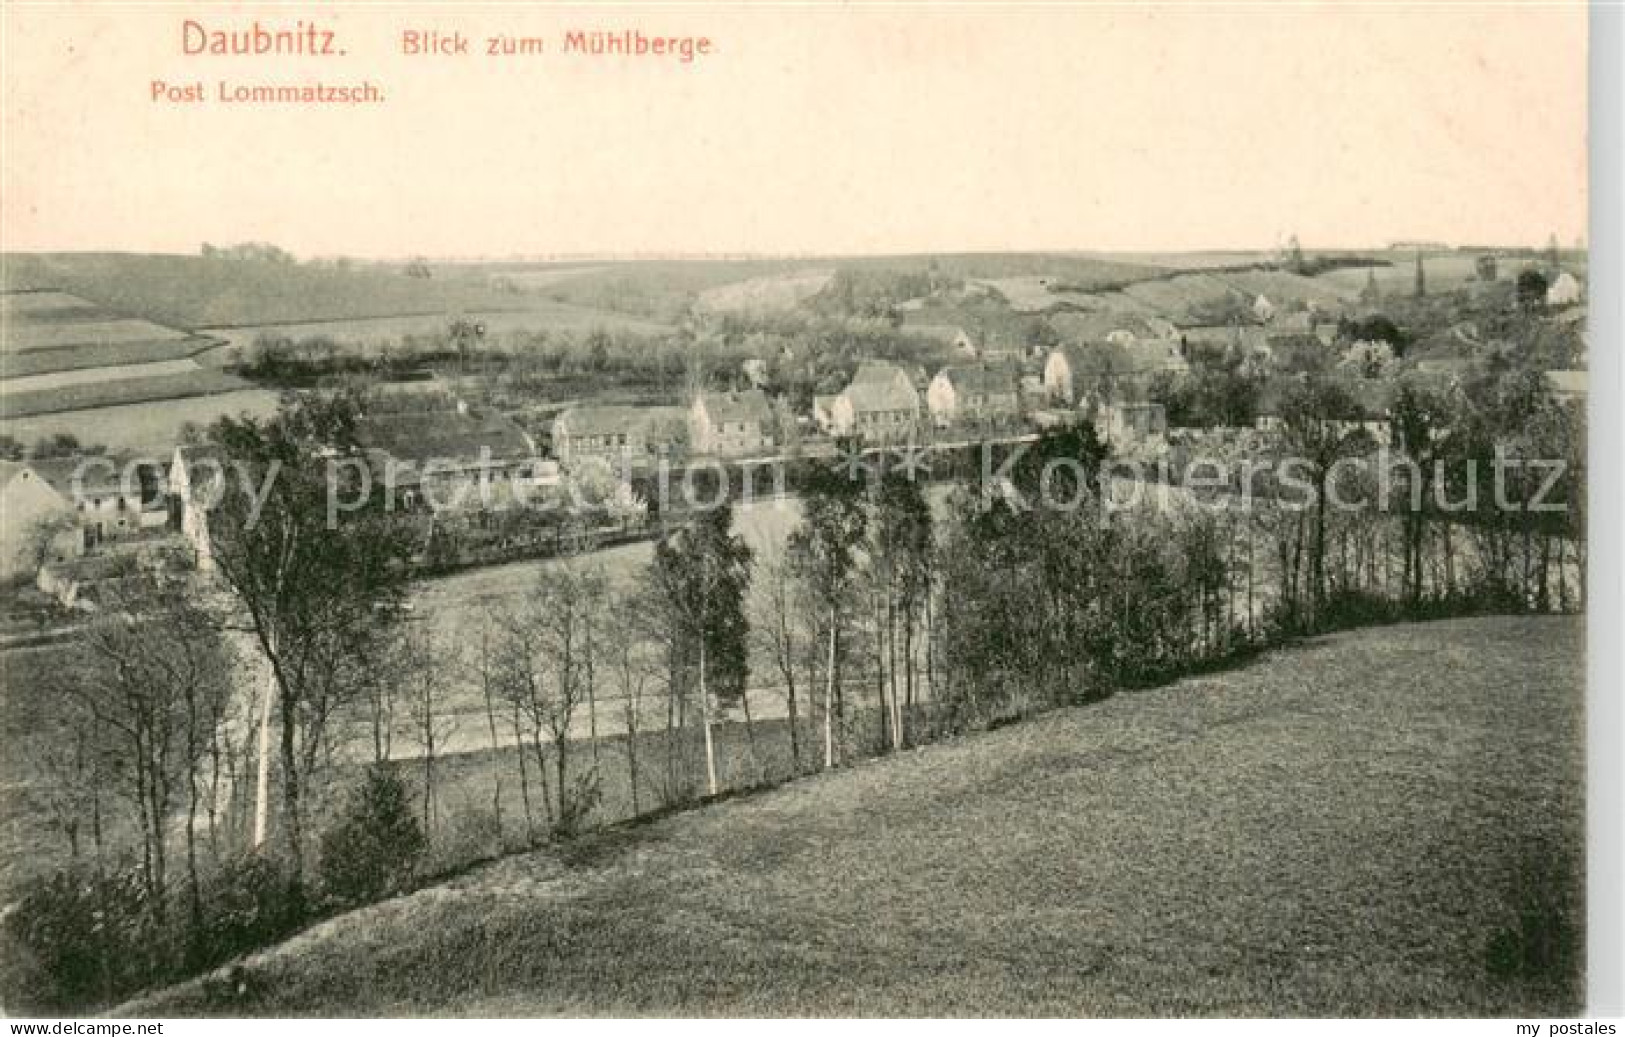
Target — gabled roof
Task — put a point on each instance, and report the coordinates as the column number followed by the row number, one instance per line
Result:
column 877, row 372
column 447, row 435
column 661, row 424
column 978, row 379
column 749, row 406
column 881, row 396
column 62, row 473
column 941, row 332
column 600, row 419
column 1115, row 359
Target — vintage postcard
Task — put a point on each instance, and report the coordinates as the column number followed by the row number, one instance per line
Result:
column 811, row 509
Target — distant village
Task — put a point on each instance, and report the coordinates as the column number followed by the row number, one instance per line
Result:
column 1146, row 383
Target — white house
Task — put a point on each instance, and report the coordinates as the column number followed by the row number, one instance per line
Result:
column 881, row 405
column 1074, row 372
column 1565, row 290
column 972, row 394
column 194, row 484
column 731, row 424
column 28, row 505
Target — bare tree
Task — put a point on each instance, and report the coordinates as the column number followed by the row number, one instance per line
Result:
column 779, row 632
column 156, row 679
column 317, row 569
column 424, row 665
column 632, row 669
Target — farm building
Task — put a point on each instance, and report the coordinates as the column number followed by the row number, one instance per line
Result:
column 1108, row 370
column 449, row 457
column 194, row 481
column 1565, row 290
column 951, row 335
column 881, row 405
column 1569, row 385
column 1130, row 422
column 28, row 507
column 615, row 432
column 731, row 424
column 112, row 497
column 1113, row 326
column 972, row 394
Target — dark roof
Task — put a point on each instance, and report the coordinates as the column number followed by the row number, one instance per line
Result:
column 1121, row 359
column 443, row 434
column 978, row 379
column 653, row 423
column 105, row 475
column 750, row 405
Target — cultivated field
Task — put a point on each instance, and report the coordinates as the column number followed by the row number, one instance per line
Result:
column 43, row 333
column 193, row 292
column 538, row 315
column 1442, row 272
column 86, row 394
column 762, row 294
column 1384, row 822
column 152, row 428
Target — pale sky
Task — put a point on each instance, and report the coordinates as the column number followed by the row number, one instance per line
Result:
column 811, row 130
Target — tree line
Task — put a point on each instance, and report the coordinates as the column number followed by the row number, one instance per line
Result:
column 222, row 764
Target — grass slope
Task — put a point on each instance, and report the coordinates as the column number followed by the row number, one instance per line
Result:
column 1350, row 827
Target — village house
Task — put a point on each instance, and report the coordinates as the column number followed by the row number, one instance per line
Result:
column 951, row 335
column 1106, row 371
column 1125, row 422
column 731, row 424
column 619, row 433
column 1565, row 290
column 35, row 523
column 972, row 395
column 195, row 472
column 449, row 456
column 881, row 405
column 1569, row 386
column 609, row 432
column 111, row 497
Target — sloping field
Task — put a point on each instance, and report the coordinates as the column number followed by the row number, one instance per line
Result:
column 88, row 375
column 117, row 391
column 31, row 333
column 102, row 355
column 193, row 292
column 1442, row 272
column 47, row 332
column 1385, row 822
column 761, row 294
column 40, row 305
column 382, row 331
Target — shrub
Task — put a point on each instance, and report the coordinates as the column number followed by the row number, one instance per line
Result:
column 78, row 938
column 248, row 906
column 376, row 843
column 578, row 804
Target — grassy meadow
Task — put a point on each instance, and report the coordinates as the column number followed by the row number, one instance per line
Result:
column 1376, row 823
